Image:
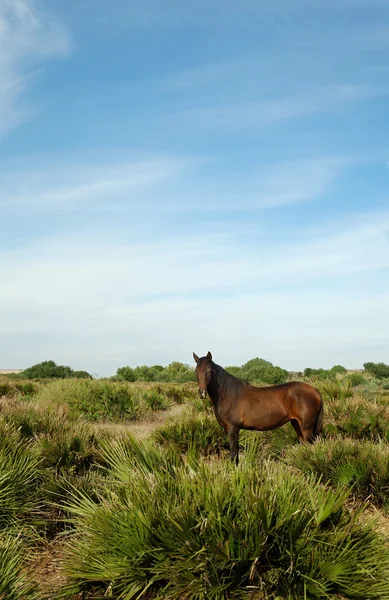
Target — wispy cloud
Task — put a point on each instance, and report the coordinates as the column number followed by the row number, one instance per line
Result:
column 269, row 112
column 28, row 37
column 93, row 272
column 71, row 187
column 179, row 292
column 167, row 184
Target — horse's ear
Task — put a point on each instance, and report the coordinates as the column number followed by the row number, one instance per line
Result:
column 196, row 357
column 209, row 356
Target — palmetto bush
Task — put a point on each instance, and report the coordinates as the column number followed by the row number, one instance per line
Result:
column 194, row 430
column 20, row 474
column 357, row 417
column 358, row 464
column 14, row 581
column 205, row 530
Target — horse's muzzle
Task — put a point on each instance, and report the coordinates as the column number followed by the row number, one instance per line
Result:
column 203, row 394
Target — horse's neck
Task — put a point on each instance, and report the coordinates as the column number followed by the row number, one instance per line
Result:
column 213, row 388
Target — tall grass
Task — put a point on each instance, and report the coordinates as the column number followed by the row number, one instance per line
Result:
column 207, row 530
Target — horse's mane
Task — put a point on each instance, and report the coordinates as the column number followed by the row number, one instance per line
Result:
column 227, row 382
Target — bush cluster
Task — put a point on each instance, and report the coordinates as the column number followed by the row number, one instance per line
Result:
column 379, row 370
column 201, row 529
column 325, row 373
column 175, row 372
column 259, row 370
column 50, row 370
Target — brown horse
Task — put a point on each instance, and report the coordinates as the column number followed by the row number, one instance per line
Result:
column 239, row 405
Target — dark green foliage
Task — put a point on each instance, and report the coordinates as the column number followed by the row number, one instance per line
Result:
column 338, row 369
column 175, row 372
column 145, row 373
column 325, row 373
column 356, row 379
column 47, row 369
column 5, row 388
column 259, row 370
column 201, row 530
column 50, row 370
column 81, row 375
column 379, row 370
column 125, row 374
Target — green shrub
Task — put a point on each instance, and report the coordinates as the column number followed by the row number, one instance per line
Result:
column 335, row 389
column 15, row 582
column 207, row 530
column 5, row 388
column 20, row 473
column 197, row 431
column 176, row 393
column 155, row 400
column 338, row 369
column 49, row 369
column 357, row 418
column 379, row 370
column 125, row 374
column 175, row 372
column 362, row 465
column 72, row 449
column 81, row 375
column 356, row 379
column 259, row 370
column 93, row 399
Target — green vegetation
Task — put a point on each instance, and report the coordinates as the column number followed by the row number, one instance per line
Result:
column 325, row 373
column 259, row 370
column 49, row 370
column 206, row 530
column 165, row 515
column 176, row 372
column 379, row 370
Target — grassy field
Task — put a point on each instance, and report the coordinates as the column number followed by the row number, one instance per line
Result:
column 125, row 490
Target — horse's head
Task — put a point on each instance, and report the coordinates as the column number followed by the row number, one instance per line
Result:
column 203, row 372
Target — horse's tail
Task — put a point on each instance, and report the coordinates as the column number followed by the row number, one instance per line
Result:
column 318, row 426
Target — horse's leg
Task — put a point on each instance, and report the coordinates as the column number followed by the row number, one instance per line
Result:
column 297, row 428
column 233, row 440
column 307, row 434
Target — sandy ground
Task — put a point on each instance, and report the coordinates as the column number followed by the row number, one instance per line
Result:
column 141, row 429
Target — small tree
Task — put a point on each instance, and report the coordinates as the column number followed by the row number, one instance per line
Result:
column 126, row 374
column 379, row 370
column 47, row 369
column 81, row 375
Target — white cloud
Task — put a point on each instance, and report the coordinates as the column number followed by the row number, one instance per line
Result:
column 69, row 187
column 166, row 184
column 147, row 301
column 28, row 37
column 242, row 115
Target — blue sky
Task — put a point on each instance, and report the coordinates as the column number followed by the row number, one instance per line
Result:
column 194, row 175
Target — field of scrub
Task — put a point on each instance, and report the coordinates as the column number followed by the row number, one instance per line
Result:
column 125, row 490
